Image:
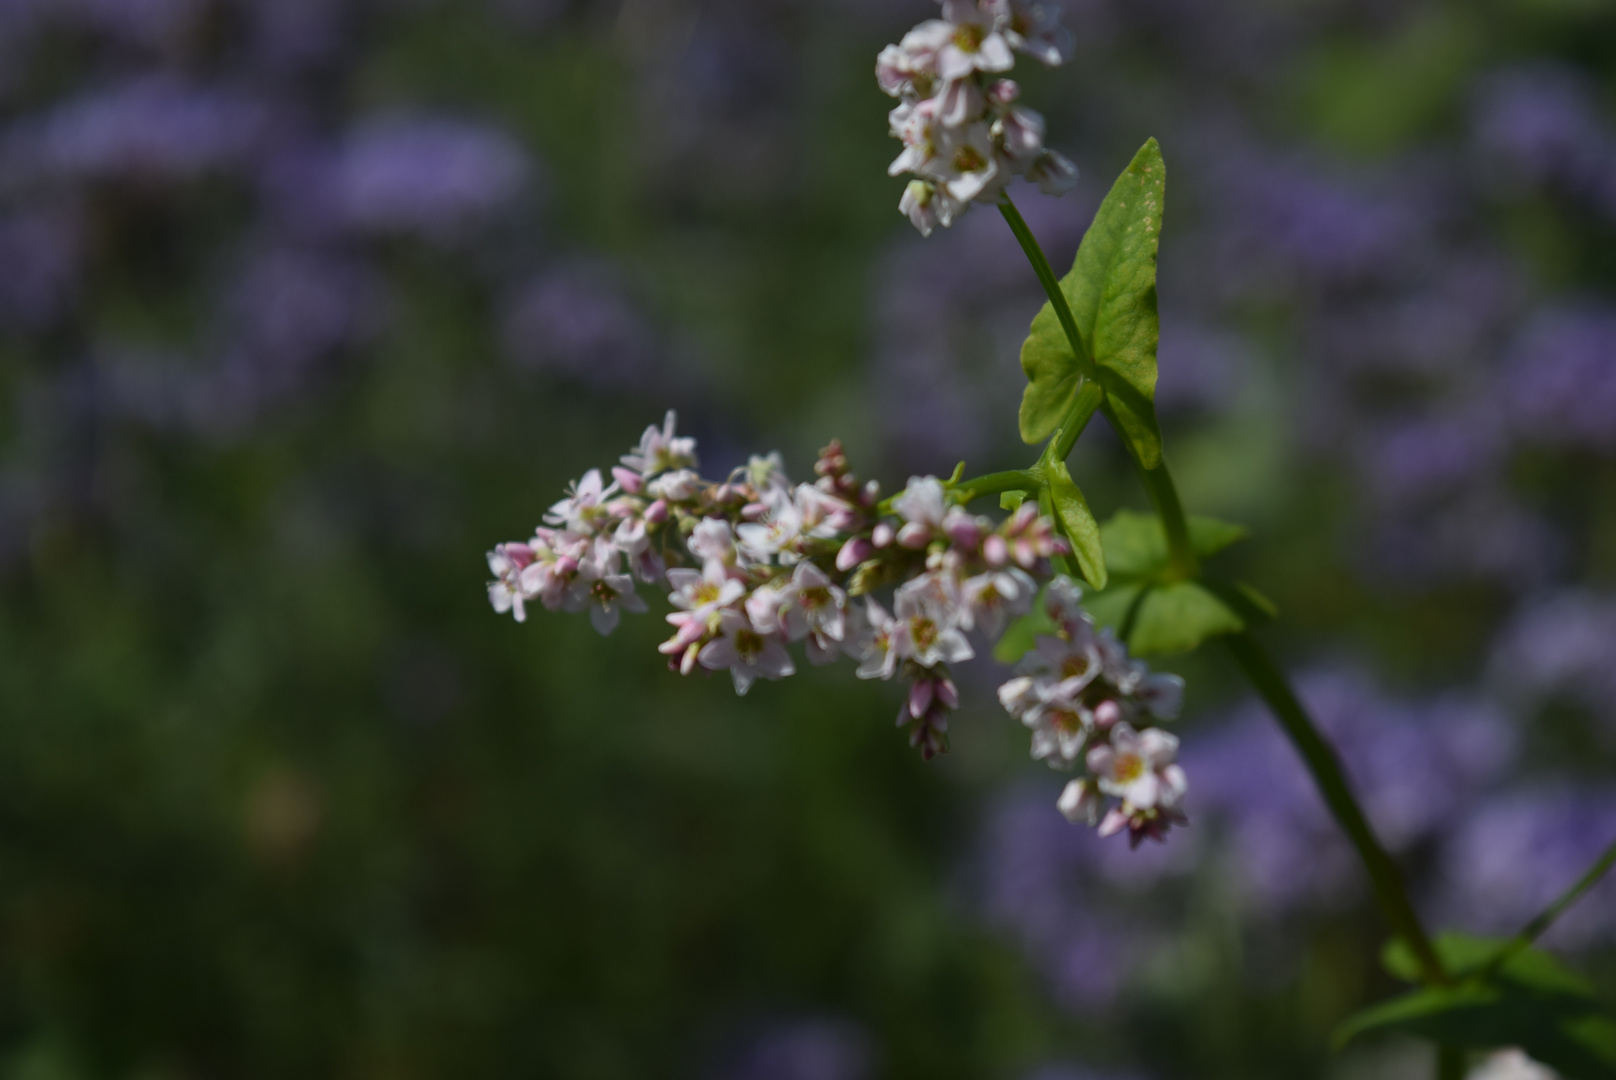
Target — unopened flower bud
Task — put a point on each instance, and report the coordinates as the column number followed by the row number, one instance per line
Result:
column 631, row 481
column 920, row 697
column 881, row 535
column 854, row 552
column 995, row 551
column 914, row 536
column 566, row 566
column 1003, row 91
column 657, row 512
column 1106, row 715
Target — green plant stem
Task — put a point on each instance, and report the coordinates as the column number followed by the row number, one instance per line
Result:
column 1320, row 757
column 1325, row 765
column 994, row 483
column 1450, row 1063
column 1535, row 929
column 1051, row 284
column 1182, row 562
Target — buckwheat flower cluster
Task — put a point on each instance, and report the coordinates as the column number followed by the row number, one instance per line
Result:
column 754, row 564
column 1088, row 702
column 963, row 134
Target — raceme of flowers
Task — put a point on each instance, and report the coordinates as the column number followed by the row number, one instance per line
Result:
column 1087, row 701
column 963, row 134
column 754, row 563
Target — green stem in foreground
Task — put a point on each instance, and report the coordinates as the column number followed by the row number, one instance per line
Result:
column 1319, row 756
column 1183, row 564
column 1051, row 284
column 1325, row 765
column 994, row 483
column 1535, row 929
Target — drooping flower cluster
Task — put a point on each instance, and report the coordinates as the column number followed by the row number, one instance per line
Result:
column 754, row 563
column 1087, row 701
column 963, row 134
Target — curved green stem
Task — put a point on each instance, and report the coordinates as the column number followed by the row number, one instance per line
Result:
column 1325, row 765
column 994, row 483
column 1319, row 756
column 1051, row 284
column 1182, row 562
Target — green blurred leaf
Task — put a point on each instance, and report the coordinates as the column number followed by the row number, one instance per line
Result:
column 1532, row 1001
column 1077, row 520
column 1156, row 615
column 1112, row 294
column 1053, row 378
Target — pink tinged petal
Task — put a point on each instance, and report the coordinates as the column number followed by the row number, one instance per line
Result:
column 953, row 648
column 822, row 651
column 1142, row 793
column 774, row 661
column 632, row 482
column 1101, row 760
column 743, row 679
column 881, row 536
column 920, row 697
column 1158, row 747
column 719, row 654
column 1080, row 803
column 1175, row 785
column 1107, row 714
column 657, row 512
column 914, row 536
column 995, row 54
column 994, row 551
column 603, row 617
column 1115, row 821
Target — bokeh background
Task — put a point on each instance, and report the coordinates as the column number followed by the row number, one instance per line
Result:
column 304, row 304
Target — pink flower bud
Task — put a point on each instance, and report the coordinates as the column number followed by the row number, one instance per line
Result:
column 1003, row 91
column 963, row 530
column 995, row 551
column 948, row 693
column 854, row 552
column 914, row 536
column 657, row 512
column 1106, row 715
column 566, row 566
column 632, row 482
column 753, row 511
column 920, row 697
column 881, row 535
column 519, row 554
column 1026, row 553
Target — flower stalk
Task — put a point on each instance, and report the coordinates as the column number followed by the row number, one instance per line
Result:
column 1319, row 756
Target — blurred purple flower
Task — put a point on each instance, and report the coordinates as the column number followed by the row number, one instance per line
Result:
column 1417, row 768
column 1561, row 645
column 576, row 321
column 434, row 176
column 1560, row 379
column 41, row 249
column 810, row 1049
column 152, row 129
column 1432, row 455
column 1037, row 878
column 1516, row 854
column 1542, row 121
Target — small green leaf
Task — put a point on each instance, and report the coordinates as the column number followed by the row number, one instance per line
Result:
column 1178, row 617
column 1077, row 520
column 1053, row 378
column 1112, row 293
column 1136, row 544
column 1011, row 500
column 1532, row 1001
column 1154, row 614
